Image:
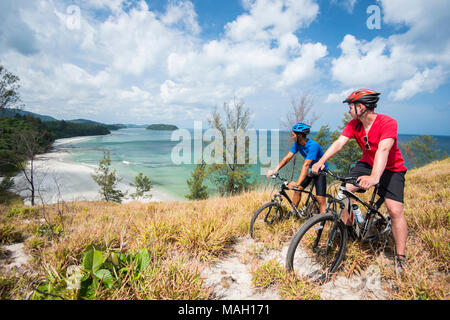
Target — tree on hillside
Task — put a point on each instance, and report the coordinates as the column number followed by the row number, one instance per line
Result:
column 143, row 185
column 323, row 137
column 25, row 147
column 231, row 177
column 108, row 180
column 9, row 86
column 349, row 154
column 300, row 112
column 196, row 188
column 420, row 151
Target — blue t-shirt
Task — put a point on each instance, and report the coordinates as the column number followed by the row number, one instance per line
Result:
column 310, row 151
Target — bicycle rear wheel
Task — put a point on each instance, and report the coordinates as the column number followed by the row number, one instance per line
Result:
column 311, row 210
column 318, row 247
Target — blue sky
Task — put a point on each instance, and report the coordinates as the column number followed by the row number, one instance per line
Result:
column 174, row 61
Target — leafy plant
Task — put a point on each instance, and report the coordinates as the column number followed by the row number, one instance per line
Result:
column 98, row 271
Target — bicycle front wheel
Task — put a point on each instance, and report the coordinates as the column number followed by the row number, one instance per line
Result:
column 271, row 224
column 318, row 247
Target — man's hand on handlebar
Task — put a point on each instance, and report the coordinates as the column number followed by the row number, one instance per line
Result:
column 270, row 173
column 366, row 182
column 317, row 167
column 292, row 185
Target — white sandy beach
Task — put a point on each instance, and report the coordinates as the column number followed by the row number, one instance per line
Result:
column 60, row 180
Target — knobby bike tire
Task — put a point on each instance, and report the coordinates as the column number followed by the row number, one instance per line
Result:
column 314, row 262
column 262, row 210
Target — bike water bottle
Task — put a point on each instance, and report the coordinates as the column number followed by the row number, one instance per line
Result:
column 358, row 214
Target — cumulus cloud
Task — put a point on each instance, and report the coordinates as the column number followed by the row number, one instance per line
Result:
column 258, row 51
column 122, row 56
column 428, row 80
column 371, row 63
column 183, row 13
column 338, row 97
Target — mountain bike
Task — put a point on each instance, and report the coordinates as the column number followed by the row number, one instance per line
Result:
column 319, row 246
column 262, row 225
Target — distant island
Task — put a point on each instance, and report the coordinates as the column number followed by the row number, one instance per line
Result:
column 167, row 127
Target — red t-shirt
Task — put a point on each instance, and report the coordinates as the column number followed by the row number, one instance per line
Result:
column 382, row 128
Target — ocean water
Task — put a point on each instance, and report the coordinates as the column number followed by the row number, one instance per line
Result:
column 136, row 150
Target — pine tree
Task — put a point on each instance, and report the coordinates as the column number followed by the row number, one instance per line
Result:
column 231, row 177
column 143, row 185
column 108, row 180
column 196, row 188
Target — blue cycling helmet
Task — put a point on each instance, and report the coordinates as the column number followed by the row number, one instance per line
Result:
column 301, row 128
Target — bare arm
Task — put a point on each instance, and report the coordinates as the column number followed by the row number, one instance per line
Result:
column 304, row 171
column 379, row 164
column 282, row 163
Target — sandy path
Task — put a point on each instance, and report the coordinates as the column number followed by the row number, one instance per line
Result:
column 231, row 278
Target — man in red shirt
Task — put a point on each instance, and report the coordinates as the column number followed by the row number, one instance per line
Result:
column 382, row 161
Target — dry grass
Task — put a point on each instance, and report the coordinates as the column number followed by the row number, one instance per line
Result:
column 184, row 236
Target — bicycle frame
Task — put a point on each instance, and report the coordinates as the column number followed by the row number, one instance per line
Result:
column 283, row 193
column 372, row 207
column 372, row 210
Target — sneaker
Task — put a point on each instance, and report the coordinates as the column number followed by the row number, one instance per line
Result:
column 400, row 263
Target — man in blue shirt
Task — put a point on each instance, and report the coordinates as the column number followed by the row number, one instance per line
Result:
column 311, row 152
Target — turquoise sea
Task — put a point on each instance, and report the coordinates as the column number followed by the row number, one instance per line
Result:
column 136, row 150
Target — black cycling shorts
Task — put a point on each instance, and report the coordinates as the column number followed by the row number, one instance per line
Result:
column 392, row 184
column 320, row 182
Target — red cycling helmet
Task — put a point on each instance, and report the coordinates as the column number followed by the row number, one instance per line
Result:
column 365, row 96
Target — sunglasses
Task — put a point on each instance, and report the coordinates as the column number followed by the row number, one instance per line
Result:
column 366, row 141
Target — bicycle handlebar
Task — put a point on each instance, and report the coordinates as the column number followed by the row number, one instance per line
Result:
column 277, row 175
column 351, row 180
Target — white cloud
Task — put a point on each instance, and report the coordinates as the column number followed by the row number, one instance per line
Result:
column 125, row 57
column 184, row 13
column 338, row 97
column 258, row 51
column 428, row 80
column 303, row 67
column 270, row 19
column 371, row 63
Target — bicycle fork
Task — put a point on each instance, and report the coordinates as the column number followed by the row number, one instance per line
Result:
column 332, row 234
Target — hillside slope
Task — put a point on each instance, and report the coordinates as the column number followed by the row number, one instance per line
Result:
column 185, row 241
